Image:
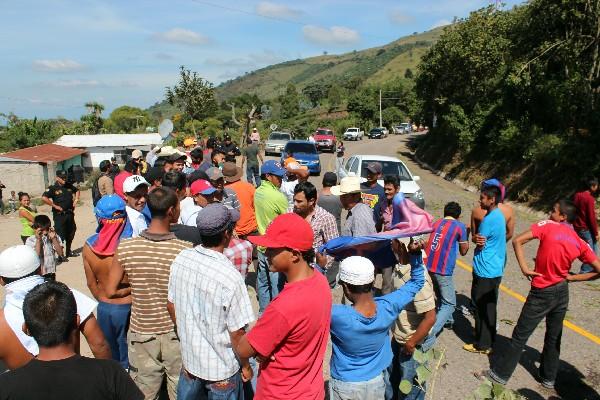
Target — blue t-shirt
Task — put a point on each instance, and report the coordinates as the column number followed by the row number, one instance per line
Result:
column 489, row 261
column 442, row 247
column 362, row 346
column 373, row 197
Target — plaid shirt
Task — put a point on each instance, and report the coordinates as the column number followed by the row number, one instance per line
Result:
column 239, row 253
column 324, row 229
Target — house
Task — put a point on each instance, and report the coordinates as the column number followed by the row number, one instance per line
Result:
column 106, row 146
column 33, row 169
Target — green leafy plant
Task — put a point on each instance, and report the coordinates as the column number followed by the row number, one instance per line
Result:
column 494, row 391
column 429, row 364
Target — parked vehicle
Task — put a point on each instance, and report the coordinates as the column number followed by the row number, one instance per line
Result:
column 305, row 153
column 353, row 134
column 398, row 130
column 276, row 142
column 376, row 133
column 357, row 165
column 325, row 139
column 407, row 127
column 385, row 131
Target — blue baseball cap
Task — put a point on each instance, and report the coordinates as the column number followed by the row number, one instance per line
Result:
column 273, row 167
column 110, row 207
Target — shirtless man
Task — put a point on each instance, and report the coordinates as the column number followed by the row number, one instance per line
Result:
column 98, row 252
column 478, row 213
column 19, row 273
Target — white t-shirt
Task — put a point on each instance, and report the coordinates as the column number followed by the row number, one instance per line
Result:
column 137, row 220
column 287, row 188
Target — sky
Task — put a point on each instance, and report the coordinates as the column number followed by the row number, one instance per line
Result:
column 59, row 54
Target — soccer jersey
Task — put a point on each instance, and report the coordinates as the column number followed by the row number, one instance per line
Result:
column 442, row 247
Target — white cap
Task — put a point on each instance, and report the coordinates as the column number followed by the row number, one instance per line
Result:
column 132, row 182
column 136, row 154
column 18, row 261
column 357, row 270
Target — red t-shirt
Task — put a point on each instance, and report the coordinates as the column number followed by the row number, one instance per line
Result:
column 294, row 328
column 118, row 182
column 559, row 247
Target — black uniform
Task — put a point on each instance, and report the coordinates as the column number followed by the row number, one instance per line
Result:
column 231, row 147
column 64, row 221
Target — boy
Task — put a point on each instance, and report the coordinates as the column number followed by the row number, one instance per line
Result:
column 47, row 244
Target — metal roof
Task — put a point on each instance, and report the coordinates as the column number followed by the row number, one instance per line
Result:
column 110, row 140
column 44, row 153
column 13, row 160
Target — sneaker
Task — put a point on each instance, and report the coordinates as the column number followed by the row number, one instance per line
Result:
column 466, row 311
column 472, row 349
column 547, row 384
column 449, row 325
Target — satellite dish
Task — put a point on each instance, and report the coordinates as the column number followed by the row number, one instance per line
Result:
column 165, row 128
column 273, row 127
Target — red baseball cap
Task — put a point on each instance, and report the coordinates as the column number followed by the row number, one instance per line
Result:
column 201, row 186
column 287, row 230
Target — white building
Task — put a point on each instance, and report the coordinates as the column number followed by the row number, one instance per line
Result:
column 103, row 147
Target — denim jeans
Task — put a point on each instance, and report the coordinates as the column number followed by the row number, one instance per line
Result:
column 373, row 389
column 268, row 284
column 193, row 388
column 445, row 285
column 589, row 239
column 113, row 320
column 253, row 174
column 550, row 303
column 404, row 367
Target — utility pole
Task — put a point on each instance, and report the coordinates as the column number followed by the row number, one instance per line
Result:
column 380, row 116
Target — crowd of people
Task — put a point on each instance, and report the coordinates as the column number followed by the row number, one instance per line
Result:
column 178, row 231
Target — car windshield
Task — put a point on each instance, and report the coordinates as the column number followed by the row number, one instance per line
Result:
column 300, row 148
column 389, row 168
column 324, row 132
column 279, row 136
column 376, row 130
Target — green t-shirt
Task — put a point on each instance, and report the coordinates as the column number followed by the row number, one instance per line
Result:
column 251, row 154
column 269, row 202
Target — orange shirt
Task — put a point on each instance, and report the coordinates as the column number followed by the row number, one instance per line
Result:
column 245, row 195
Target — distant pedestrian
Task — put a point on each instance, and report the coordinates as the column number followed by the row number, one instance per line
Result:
column 251, row 155
column 586, row 223
column 225, row 195
column 63, row 198
column 549, row 295
column 339, row 156
column 2, row 186
column 26, row 216
column 245, row 194
column 373, row 194
column 12, row 202
column 230, row 149
column 105, row 183
column 328, row 201
column 255, row 136
column 47, row 245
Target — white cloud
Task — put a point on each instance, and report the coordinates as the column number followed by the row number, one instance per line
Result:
column 336, row 35
column 274, row 10
column 441, row 22
column 164, row 56
column 73, row 83
column 182, row 36
column 400, row 17
column 65, row 65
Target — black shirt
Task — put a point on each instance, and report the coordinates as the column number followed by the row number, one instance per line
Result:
column 72, row 378
column 231, row 147
column 187, row 233
column 61, row 195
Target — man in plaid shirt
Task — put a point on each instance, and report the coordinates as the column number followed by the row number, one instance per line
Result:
column 239, row 253
column 321, row 221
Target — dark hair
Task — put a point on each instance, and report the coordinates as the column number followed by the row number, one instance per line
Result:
column 216, row 151
column 248, row 140
column 174, row 180
column 568, row 209
column 492, row 191
column 161, row 161
column 309, row 190
column 215, row 240
column 308, row 256
column 358, row 289
column 130, row 166
column 197, row 154
column 160, row 200
column 588, row 182
column 452, row 209
column 154, row 174
column 391, row 180
column 329, row 179
column 104, row 165
column 50, row 313
column 41, row 222
column 197, row 174
column 211, row 143
column 23, row 194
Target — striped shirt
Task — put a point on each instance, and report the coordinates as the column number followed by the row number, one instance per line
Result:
column 211, row 300
column 442, row 247
column 359, row 221
column 147, row 261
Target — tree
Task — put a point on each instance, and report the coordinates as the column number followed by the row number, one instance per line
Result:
column 316, row 91
column 126, row 119
column 93, row 121
column 392, row 115
column 363, row 104
column 334, row 96
column 289, row 102
column 408, row 74
column 193, row 95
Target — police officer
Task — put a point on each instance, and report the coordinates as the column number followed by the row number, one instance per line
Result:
column 230, row 149
column 62, row 197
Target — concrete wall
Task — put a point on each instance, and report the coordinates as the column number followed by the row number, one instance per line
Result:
column 96, row 154
column 67, row 163
column 23, row 177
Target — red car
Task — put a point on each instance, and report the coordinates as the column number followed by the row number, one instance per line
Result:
column 325, row 139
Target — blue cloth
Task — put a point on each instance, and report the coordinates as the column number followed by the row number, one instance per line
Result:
column 490, row 259
column 445, row 285
column 200, row 389
column 442, row 247
column 589, row 239
column 113, row 320
column 361, row 345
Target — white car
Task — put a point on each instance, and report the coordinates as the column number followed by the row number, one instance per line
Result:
column 357, row 165
column 276, row 142
column 353, row 134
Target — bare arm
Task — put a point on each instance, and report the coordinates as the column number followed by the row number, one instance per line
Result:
column 474, row 226
column 243, row 348
column 245, row 364
column 463, row 248
column 95, row 338
column 115, row 276
column 171, row 310
column 26, row 215
column 518, row 243
column 421, row 332
column 90, row 277
column 587, row 276
column 510, row 223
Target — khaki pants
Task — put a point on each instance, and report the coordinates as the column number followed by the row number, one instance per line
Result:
column 151, row 357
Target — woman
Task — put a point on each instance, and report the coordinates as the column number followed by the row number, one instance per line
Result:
column 26, row 215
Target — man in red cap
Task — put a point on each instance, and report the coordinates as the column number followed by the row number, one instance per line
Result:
column 290, row 337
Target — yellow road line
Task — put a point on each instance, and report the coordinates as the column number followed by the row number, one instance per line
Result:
column 522, row 299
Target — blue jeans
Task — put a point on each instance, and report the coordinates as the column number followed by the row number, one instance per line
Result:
column 407, row 371
column 193, row 388
column 589, row 239
column 252, row 171
column 113, row 320
column 447, row 294
column 373, row 389
column 268, row 284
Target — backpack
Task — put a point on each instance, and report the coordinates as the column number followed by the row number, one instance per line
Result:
column 96, row 196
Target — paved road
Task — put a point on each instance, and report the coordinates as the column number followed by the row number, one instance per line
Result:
column 579, row 376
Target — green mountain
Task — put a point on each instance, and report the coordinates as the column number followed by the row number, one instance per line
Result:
column 374, row 65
